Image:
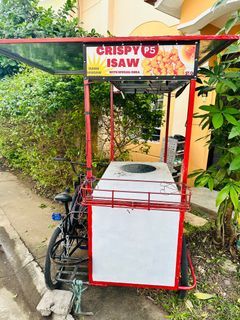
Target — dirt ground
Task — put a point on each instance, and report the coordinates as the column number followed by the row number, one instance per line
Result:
column 218, row 276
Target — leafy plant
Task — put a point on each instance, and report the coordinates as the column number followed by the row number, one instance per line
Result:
column 223, row 120
column 39, row 122
column 232, row 20
column 42, row 116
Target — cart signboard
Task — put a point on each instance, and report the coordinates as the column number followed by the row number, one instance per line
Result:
column 134, row 61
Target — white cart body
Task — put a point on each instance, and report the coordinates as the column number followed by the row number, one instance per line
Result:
column 134, row 246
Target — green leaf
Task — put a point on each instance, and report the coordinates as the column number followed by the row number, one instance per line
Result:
column 210, row 183
column 220, row 175
column 189, row 305
column 219, row 87
column 217, row 120
column 230, row 23
column 195, row 173
column 229, row 84
column 230, row 119
column 235, row 164
column 231, row 74
column 205, row 124
column 222, row 195
column 209, row 108
column 235, row 131
column 201, row 181
column 231, row 110
column 204, row 296
column 235, row 150
column 234, row 197
column 205, row 71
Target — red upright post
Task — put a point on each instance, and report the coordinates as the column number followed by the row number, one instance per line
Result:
column 111, row 124
column 185, row 170
column 167, row 127
column 87, row 108
column 188, row 130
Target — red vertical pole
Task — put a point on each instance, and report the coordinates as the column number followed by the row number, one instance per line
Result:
column 188, row 130
column 87, row 108
column 185, row 172
column 167, row 127
column 111, row 124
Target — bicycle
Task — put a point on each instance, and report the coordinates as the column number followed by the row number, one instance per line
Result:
column 69, row 240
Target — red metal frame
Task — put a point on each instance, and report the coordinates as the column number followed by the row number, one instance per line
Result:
column 87, row 108
column 132, row 203
column 122, row 39
column 192, row 274
column 188, row 130
column 89, row 200
column 112, row 198
column 185, row 173
column 111, row 124
column 112, row 201
column 167, row 127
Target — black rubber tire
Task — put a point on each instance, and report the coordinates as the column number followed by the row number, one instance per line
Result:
column 184, row 270
column 51, row 283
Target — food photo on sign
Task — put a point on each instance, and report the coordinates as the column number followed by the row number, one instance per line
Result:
column 139, row 60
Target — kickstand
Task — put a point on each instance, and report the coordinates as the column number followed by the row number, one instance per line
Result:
column 77, row 288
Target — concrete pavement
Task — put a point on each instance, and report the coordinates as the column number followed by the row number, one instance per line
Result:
column 18, row 294
column 30, row 215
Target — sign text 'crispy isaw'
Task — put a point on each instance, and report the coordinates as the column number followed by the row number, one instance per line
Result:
column 140, row 60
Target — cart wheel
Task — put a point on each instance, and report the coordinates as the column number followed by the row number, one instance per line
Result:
column 184, row 270
column 50, row 271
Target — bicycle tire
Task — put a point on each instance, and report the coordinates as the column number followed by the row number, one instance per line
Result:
column 51, row 283
column 184, row 270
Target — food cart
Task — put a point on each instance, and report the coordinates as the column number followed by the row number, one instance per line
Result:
column 135, row 212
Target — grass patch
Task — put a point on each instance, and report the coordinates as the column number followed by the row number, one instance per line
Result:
column 212, row 278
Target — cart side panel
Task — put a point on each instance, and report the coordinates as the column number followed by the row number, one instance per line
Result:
column 134, row 246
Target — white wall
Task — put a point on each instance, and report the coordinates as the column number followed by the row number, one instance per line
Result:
column 120, row 17
column 129, row 14
column 180, row 113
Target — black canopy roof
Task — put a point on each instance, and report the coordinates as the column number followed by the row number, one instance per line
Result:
column 66, row 56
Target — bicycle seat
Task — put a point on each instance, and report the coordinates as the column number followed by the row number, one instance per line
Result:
column 63, row 197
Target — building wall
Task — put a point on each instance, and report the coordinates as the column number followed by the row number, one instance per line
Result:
column 130, row 15
column 55, row 4
column 121, row 18
column 192, row 8
column 93, row 14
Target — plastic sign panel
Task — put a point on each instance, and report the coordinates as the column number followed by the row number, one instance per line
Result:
column 140, row 60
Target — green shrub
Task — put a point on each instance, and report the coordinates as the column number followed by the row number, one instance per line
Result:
column 42, row 117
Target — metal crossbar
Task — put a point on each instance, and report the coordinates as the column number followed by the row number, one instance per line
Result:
column 171, row 196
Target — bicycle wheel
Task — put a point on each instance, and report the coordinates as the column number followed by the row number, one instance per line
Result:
column 64, row 252
column 184, row 270
column 50, row 270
